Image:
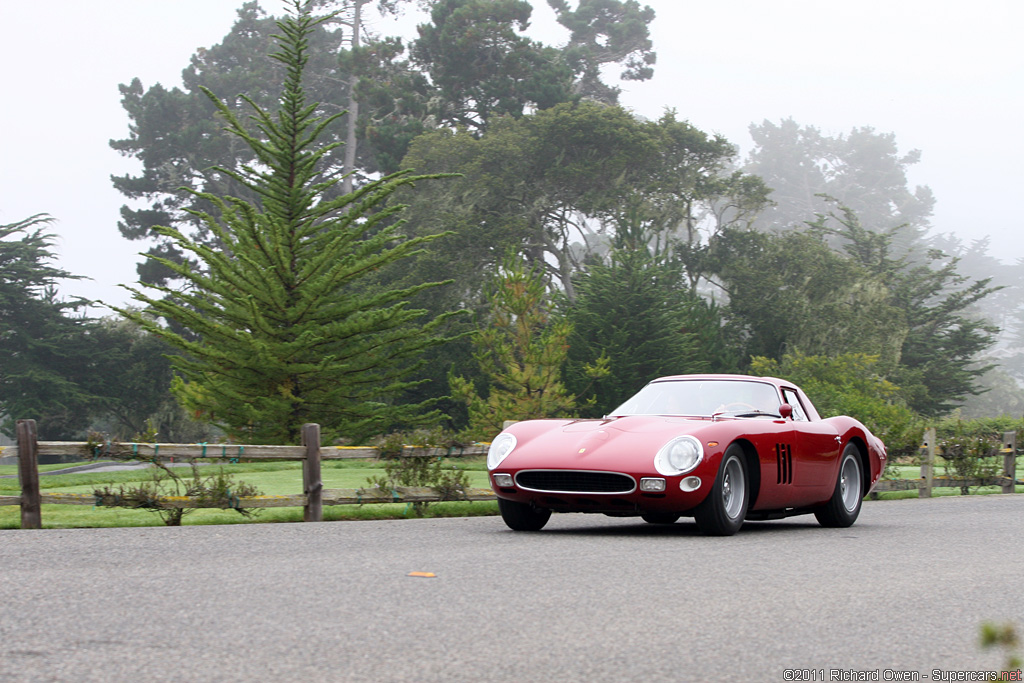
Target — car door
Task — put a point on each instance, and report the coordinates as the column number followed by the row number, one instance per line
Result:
column 815, row 453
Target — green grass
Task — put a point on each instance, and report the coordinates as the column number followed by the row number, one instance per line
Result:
column 272, row 478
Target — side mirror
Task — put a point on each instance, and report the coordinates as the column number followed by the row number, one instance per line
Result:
column 786, row 411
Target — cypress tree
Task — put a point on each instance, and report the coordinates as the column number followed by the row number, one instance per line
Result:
column 280, row 324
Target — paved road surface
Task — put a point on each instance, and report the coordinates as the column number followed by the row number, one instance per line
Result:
column 590, row 598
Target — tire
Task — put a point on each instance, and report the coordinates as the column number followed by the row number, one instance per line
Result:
column 523, row 517
column 843, row 508
column 723, row 511
column 660, row 518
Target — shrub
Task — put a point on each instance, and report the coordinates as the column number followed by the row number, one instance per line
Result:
column 422, row 465
column 217, row 490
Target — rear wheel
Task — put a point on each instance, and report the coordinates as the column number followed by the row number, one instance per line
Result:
column 723, row 511
column 523, row 517
column 660, row 518
column 843, row 508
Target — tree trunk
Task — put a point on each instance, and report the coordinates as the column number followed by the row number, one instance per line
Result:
column 353, row 105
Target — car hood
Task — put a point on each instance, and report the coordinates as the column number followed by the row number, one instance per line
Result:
column 613, row 444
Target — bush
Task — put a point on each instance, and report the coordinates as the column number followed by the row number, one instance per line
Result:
column 422, row 465
column 218, row 490
column 971, row 448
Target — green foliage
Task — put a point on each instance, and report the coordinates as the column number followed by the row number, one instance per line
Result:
column 938, row 356
column 559, row 186
column 602, row 32
column 520, row 352
column 992, row 427
column 281, row 326
column 850, row 384
column 792, row 292
column 422, row 466
column 971, row 448
column 795, row 292
column 969, row 457
column 469, row 64
column 64, row 370
column 130, row 376
column 482, row 66
column 1004, row 637
column 394, row 100
column 218, row 490
column 638, row 315
column 47, row 350
column 182, row 143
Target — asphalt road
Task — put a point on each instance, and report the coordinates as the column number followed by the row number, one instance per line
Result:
column 590, row 598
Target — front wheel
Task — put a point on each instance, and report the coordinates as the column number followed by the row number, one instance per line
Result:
column 723, row 511
column 523, row 517
column 843, row 508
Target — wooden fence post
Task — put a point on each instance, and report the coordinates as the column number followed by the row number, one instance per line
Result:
column 928, row 466
column 28, row 475
column 1010, row 461
column 312, row 484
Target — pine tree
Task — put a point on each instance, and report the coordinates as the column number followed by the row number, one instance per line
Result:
column 44, row 339
column 636, row 311
column 279, row 325
column 520, row 352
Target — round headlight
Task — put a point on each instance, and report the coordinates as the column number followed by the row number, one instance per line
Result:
column 501, row 446
column 679, row 456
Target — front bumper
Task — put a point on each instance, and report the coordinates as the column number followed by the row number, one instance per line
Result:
column 566, row 490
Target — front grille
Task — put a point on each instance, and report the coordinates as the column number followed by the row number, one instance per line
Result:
column 575, row 481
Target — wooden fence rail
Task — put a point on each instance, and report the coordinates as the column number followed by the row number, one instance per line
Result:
column 314, row 496
column 312, row 499
column 928, row 481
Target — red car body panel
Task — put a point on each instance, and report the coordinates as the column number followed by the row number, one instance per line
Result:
column 797, row 460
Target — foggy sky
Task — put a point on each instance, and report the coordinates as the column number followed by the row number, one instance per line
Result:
column 946, row 79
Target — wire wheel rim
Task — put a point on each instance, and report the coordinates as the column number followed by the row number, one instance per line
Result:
column 734, row 488
column 850, row 484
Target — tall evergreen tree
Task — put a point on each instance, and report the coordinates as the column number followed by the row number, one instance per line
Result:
column 285, row 332
column 177, row 136
column 46, row 358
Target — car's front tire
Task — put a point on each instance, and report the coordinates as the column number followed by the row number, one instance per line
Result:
column 523, row 517
column 843, row 508
column 723, row 511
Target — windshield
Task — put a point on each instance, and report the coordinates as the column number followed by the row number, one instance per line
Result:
column 703, row 398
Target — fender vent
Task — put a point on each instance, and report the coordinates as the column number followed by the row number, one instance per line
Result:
column 784, row 458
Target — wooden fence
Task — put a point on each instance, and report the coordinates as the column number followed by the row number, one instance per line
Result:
column 314, row 496
column 928, row 481
column 310, row 453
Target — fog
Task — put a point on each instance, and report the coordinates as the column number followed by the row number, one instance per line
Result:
column 945, row 82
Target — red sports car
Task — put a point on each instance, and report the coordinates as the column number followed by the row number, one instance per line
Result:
column 720, row 448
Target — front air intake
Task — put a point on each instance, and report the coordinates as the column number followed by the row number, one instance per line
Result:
column 575, row 481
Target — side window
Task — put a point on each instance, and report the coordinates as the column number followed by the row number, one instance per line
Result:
column 790, row 397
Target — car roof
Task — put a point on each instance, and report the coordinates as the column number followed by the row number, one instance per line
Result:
column 745, row 378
